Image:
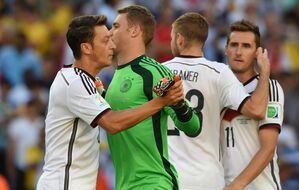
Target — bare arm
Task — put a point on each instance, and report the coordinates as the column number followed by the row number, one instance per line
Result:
column 255, row 105
column 116, row 121
column 268, row 137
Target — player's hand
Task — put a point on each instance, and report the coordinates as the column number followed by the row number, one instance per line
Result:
column 164, row 84
column 263, row 62
column 174, row 94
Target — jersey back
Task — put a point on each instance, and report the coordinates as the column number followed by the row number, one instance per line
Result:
column 210, row 87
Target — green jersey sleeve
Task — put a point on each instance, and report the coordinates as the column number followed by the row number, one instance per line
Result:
column 191, row 126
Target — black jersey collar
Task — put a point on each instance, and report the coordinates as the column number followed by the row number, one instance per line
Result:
column 251, row 79
column 92, row 77
column 189, row 56
column 67, row 66
column 134, row 61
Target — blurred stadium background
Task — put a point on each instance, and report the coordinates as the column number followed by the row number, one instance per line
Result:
column 33, row 49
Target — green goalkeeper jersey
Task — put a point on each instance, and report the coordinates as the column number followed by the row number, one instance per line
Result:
column 140, row 154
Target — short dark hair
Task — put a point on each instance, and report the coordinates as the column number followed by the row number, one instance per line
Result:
column 245, row 26
column 143, row 16
column 81, row 30
column 193, row 26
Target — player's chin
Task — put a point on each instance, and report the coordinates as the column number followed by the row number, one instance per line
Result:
column 109, row 59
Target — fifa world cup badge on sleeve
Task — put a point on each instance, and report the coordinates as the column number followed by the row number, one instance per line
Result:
column 273, row 111
column 98, row 100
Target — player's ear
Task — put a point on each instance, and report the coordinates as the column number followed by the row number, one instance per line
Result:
column 180, row 40
column 225, row 49
column 135, row 30
column 86, row 48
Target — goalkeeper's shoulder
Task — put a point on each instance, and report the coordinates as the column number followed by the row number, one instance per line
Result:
column 154, row 65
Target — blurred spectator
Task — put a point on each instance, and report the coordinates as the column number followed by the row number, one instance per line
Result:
column 292, row 102
column 23, row 133
column 18, row 57
column 162, row 38
column 108, row 8
column 60, row 14
column 49, row 70
column 28, row 20
column 273, row 41
column 6, row 113
column 290, row 45
column 288, row 149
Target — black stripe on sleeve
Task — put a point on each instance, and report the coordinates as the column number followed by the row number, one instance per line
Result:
column 270, row 91
column 87, row 83
column 156, row 119
column 273, row 91
column 149, row 62
column 86, row 80
column 276, row 88
column 91, row 84
column 76, row 70
column 165, row 69
column 79, row 72
column 70, row 155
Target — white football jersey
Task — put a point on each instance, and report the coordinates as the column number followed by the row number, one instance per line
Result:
column 210, row 87
column 72, row 148
column 240, row 139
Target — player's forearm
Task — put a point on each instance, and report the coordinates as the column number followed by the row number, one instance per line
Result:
column 192, row 127
column 187, row 120
column 116, row 121
column 259, row 162
column 255, row 106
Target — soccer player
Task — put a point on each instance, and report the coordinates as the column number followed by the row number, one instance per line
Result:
column 211, row 87
column 76, row 108
column 140, row 154
column 249, row 157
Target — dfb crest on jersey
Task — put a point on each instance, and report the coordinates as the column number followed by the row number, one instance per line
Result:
column 126, row 85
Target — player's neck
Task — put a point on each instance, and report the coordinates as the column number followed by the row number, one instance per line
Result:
column 245, row 76
column 88, row 67
column 192, row 51
column 130, row 54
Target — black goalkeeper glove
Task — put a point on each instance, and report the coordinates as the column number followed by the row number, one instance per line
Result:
column 182, row 110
